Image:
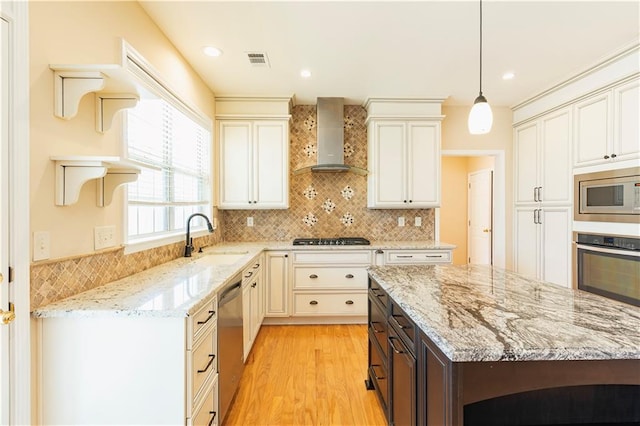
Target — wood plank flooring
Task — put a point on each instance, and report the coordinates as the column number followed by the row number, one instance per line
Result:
column 306, row 375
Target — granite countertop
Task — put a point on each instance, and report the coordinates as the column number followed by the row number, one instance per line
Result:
column 180, row 287
column 483, row 313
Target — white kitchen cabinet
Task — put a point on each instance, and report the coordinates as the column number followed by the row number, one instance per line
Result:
column 128, row 369
column 606, row 126
column 543, row 160
column 252, row 290
column 404, row 163
column 543, row 243
column 277, row 284
column 253, row 164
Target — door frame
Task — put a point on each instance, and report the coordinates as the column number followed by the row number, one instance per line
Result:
column 499, row 200
column 469, row 210
column 20, row 409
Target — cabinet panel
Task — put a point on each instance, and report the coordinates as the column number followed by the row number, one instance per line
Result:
column 333, row 257
column 434, row 370
column 311, row 304
column 203, row 362
column 556, row 246
column 526, row 242
column 207, row 413
column 338, row 277
column 390, row 160
column 423, row 164
column 555, row 159
column 271, row 169
column 235, row 158
column 403, row 382
column 593, row 139
column 526, row 173
column 627, row 111
column 417, row 257
column 277, row 291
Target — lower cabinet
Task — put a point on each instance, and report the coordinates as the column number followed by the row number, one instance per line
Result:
column 277, row 280
column 252, row 303
column 129, row 369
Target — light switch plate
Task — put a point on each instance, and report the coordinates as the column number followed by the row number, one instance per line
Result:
column 104, row 237
column 41, row 245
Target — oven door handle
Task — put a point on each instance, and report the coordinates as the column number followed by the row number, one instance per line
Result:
column 608, row 250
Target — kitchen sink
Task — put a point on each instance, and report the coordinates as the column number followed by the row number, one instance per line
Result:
column 220, row 258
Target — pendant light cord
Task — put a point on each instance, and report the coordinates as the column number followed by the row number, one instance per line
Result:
column 480, row 47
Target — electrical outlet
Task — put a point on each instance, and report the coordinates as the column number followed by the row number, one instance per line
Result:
column 401, row 221
column 104, row 237
column 250, row 221
column 417, row 221
column 41, row 245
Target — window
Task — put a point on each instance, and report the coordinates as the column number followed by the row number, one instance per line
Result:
column 173, row 151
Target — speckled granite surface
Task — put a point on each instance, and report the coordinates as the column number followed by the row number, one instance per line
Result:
column 180, row 287
column 480, row 313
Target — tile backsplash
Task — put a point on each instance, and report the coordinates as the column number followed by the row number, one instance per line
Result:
column 327, row 204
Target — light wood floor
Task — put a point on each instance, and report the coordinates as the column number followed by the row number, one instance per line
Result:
column 306, row 375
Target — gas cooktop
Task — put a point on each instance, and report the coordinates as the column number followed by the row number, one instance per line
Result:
column 340, row 241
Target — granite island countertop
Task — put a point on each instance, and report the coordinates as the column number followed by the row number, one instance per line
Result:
column 182, row 286
column 482, row 313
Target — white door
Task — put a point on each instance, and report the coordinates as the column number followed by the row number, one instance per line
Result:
column 4, row 223
column 480, row 196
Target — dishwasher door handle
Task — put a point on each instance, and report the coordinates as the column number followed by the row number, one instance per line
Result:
column 229, row 293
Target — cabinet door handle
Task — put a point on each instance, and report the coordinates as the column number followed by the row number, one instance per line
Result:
column 248, row 274
column 211, row 314
column 349, row 276
column 313, row 276
column 375, row 374
column 253, row 285
column 539, row 216
column 211, row 358
column 379, row 251
column 404, row 256
column 613, row 155
column 313, row 302
column 606, row 157
column 373, row 327
column 213, row 417
column 256, row 266
column 396, row 350
column 539, row 193
column 436, row 255
column 403, row 325
column 535, row 193
column 349, row 302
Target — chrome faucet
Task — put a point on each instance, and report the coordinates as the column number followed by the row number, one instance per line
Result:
column 188, row 248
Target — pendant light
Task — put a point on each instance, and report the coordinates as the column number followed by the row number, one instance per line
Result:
column 480, row 117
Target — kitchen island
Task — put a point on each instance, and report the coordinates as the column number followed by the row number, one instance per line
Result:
column 454, row 345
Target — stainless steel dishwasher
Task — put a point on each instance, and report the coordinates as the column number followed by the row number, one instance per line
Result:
column 230, row 351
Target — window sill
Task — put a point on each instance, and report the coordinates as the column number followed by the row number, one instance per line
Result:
column 155, row 242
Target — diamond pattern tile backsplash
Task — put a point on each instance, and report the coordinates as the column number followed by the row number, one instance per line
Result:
column 321, row 205
column 326, row 204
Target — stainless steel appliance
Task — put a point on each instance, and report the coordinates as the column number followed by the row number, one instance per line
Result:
column 608, row 265
column 231, row 362
column 340, row 241
column 609, row 196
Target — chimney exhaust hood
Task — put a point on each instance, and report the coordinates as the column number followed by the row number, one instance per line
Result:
column 330, row 135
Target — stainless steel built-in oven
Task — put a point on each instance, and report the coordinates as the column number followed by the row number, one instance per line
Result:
column 609, row 196
column 608, row 265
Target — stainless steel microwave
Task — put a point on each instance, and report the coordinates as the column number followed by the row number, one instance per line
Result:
column 609, row 196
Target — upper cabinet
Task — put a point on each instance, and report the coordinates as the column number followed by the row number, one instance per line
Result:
column 404, row 153
column 253, row 153
column 606, row 126
column 543, row 159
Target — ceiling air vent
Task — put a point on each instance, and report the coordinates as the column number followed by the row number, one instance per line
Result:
column 258, row 59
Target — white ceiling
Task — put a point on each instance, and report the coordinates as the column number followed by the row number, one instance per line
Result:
column 362, row 49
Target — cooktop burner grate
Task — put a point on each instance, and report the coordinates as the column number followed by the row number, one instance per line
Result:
column 340, row 241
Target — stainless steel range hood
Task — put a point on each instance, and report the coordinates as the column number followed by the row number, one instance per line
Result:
column 330, row 135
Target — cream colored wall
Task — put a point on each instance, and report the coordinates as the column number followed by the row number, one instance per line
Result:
column 453, row 208
column 455, row 136
column 475, row 164
column 88, row 33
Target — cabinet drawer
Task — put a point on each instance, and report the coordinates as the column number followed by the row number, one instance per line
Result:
column 378, row 375
column 207, row 412
column 335, row 257
column 340, row 277
column 252, row 271
column 378, row 327
column 330, row 304
column 204, row 361
column 405, row 257
column 376, row 292
column 404, row 326
column 204, row 317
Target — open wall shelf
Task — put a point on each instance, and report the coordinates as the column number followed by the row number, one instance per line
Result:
column 72, row 172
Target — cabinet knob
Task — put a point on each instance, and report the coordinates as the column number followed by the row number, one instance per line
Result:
column 349, row 302
column 313, row 302
column 411, row 201
column 606, row 157
column 313, row 276
column 404, row 201
column 253, row 285
column 286, row 255
column 379, row 251
column 613, row 156
column 349, row 276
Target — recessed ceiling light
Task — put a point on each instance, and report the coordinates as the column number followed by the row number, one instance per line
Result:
column 305, row 73
column 212, row 51
column 508, row 75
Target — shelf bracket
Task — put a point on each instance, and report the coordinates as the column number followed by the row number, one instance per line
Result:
column 71, row 86
column 113, row 179
column 73, row 172
column 108, row 104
